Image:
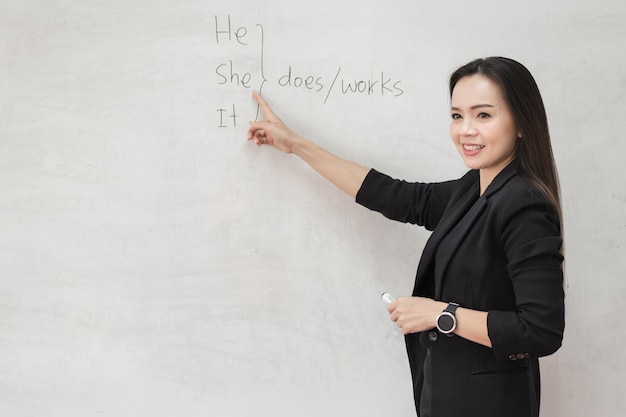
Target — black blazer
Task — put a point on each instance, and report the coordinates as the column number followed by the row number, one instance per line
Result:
column 500, row 253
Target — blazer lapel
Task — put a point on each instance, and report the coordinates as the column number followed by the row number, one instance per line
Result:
column 473, row 209
column 458, row 208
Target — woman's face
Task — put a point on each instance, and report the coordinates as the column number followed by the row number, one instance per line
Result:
column 482, row 126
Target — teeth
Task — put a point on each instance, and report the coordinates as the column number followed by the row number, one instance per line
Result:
column 473, row 147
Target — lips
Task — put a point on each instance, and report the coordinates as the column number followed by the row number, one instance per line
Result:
column 472, row 150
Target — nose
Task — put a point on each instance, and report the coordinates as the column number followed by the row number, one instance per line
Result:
column 467, row 127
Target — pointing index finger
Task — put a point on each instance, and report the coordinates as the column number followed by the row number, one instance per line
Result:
column 264, row 106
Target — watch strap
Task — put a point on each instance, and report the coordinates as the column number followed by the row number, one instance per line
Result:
column 451, row 308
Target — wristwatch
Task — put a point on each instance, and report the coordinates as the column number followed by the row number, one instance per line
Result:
column 446, row 320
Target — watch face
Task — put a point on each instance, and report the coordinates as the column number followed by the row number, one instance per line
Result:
column 446, row 322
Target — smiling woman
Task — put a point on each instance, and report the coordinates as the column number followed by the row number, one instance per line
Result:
column 522, row 96
column 492, row 265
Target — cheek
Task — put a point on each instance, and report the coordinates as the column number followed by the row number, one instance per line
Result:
column 454, row 134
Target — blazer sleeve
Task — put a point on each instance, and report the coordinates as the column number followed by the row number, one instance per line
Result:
column 530, row 232
column 417, row 203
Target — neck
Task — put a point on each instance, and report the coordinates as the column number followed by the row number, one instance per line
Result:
column 487, row 175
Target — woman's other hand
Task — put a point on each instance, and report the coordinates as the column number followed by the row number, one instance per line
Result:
column 415, row 314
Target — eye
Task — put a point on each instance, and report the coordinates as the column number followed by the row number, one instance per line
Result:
column 483, row 115
column 456, row 116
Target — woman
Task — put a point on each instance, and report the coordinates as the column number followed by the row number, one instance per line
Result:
column 488, row 299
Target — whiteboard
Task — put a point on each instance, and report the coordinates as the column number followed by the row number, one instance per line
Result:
column 153, row 262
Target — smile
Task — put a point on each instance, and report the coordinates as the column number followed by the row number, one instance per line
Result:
column 473, row 148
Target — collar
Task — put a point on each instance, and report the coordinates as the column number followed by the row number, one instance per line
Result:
column 508, row 172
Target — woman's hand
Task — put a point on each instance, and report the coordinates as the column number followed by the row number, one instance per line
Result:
column 418, row 314
column 346, row 175
column 415, row 314
column 271, row 131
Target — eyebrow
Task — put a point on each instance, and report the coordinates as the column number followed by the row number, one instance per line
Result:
column 476, row 106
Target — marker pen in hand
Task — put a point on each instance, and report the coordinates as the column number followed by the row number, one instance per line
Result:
column 387, row 298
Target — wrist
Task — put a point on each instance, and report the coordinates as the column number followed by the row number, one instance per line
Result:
column 300, row 146
column 438, row 307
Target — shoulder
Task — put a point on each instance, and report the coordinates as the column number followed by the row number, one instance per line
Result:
column 519, row 186
column 523, row 211
column 513, row 190
column 520, row 192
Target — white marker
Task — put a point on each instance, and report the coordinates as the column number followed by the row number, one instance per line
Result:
column 387, row 298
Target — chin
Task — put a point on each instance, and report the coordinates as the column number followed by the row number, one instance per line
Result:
column 471, row 164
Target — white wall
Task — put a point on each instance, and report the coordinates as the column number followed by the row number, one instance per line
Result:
column 155, row 263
